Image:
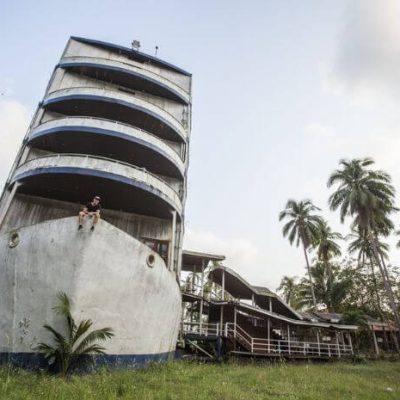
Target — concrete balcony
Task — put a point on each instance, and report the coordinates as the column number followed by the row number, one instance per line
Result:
column 117, row 106
column 100, row 137
column 77, row 178
column 126, row 75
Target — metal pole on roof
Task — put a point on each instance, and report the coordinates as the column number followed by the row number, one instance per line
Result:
column 270, row 304
column 201, row 294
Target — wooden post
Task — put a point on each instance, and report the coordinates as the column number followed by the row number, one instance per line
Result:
column 270, row 304
column 375, row 341
column 182, row 318
column 288, row 335
column 221, row 328
column 201, row 295
column 350, row 343
column 269, row 334
column 319, row 344
column 386, row 338
column 337, row 344
column 191, row 290
column 223, row 285
column 234, row 321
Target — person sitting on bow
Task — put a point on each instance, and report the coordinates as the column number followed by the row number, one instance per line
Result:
column 91, row 210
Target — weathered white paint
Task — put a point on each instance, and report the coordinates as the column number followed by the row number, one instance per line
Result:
column 75, row 48
column 104, row 62
column 104, row 273
column 99, row 123
column 67, row 78
column 104, row 165
column 28, row 210
column 113, row 95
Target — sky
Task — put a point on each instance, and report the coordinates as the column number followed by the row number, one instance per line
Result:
column 282, row 90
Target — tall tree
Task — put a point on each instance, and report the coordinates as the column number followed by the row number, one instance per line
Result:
column 302, row 227
column 367, row 196
column 288, row 287
column 326, row 244
column 331, row 285
column 361, row 245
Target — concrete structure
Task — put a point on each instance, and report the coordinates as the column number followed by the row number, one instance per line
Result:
column 114, row 122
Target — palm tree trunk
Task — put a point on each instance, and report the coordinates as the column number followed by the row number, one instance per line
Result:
column 309, row 276
column 394, row 335
column 378, row 300
column 388, row 289
column 376, row 290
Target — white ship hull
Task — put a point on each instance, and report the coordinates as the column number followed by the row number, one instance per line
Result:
column 106, row 275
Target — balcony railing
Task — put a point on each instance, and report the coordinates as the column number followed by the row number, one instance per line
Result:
column 118, row 97
column 110, row 169
column 112, row 128
column 104, row 63
column 286, row 347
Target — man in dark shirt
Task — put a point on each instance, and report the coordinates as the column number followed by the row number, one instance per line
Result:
column 92, row 209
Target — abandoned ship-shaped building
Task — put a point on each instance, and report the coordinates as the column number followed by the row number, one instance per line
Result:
column 115, row 123
column 223, row 314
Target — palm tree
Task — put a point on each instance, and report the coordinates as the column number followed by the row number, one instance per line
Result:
column 302, row 227
column 362, row 246
column 327, row 248
column 288, row 287
column 330, row 288
column 367, row 196
column 74, row 343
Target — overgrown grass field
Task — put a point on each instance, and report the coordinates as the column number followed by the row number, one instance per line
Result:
column 179, row 380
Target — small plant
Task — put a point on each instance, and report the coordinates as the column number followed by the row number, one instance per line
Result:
column 76, row 342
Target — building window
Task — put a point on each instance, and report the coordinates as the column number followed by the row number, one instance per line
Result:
column 161, row 247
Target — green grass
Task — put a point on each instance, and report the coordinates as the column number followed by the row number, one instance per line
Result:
column 374, row 380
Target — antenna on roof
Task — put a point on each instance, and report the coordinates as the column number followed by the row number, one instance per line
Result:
column 135, row 45
column 156, row 50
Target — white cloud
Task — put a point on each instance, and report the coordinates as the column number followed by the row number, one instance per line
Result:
column 14, row 120
column 366, row 63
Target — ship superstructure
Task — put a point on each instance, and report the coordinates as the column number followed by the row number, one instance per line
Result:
column 115, row 123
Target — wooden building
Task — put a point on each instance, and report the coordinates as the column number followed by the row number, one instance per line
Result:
column 250, row 320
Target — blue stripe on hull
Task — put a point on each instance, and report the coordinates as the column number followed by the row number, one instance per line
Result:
column 36, row 360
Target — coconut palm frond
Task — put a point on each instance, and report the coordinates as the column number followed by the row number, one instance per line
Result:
column 94, row 336
column 68, row 347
